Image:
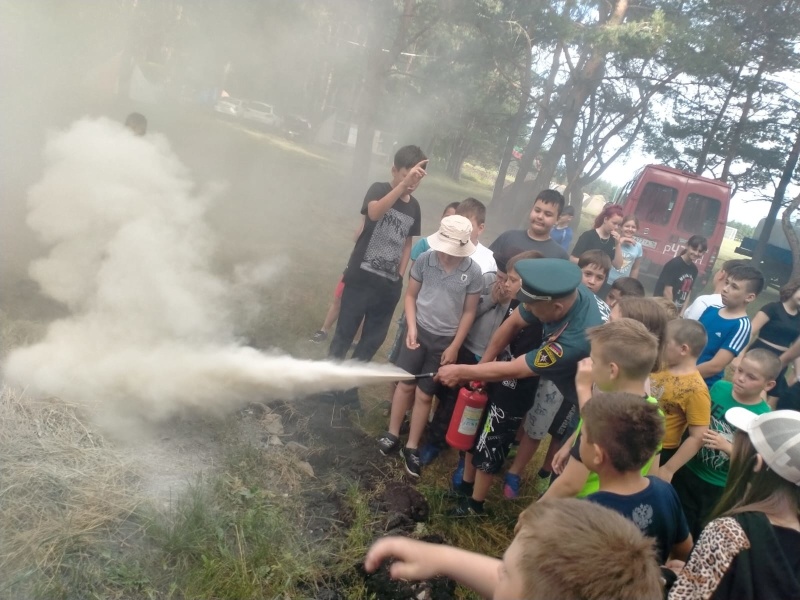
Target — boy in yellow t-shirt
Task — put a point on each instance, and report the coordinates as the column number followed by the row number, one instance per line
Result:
column 682, row 395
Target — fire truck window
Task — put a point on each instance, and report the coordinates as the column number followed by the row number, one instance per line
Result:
column 656, row 203
column 699, row 215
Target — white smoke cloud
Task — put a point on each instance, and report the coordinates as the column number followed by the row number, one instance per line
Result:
column 151, row 332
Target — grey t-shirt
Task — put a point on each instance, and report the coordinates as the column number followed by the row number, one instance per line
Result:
column 518, row 240
column 440, row 302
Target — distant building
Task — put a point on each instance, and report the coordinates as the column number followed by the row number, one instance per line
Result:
column 730, row 233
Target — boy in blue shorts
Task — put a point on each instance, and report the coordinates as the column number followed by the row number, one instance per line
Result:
column 620, row 433
column 728, row 328
column 441, row 302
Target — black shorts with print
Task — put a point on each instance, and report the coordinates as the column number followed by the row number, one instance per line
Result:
column 509, row 401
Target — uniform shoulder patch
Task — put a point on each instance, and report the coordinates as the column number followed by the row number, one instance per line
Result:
column 547, row 355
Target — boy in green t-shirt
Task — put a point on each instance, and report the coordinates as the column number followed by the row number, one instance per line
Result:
column 701, row 482
column 623, row 354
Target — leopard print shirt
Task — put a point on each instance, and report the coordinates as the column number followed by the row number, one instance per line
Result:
column 719, row 543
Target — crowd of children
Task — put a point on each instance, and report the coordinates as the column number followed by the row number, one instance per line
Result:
column 654, row 458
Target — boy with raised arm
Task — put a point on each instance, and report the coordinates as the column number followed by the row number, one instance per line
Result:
column 373, row 279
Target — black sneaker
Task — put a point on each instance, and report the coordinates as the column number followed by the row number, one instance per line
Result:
column 388, row 443
column 467, row 508
column 412, row 461
column 319, row 337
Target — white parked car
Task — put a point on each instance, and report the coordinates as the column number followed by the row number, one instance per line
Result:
column 230, row 107
column 261, row 113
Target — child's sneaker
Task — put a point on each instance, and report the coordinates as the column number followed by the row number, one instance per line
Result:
column 467, row 508
column 319, row 337
column 541, row 485
column 460, row 491
column 388, row 443
column 458, row 475
column 511, row 484
column 428, row 453
column 412, row 462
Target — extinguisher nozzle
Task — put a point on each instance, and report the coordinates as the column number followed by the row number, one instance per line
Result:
column 423, row 375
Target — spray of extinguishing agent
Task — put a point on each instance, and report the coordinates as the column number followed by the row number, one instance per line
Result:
column 467, row 415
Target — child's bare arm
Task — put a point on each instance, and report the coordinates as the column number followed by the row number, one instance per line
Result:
column 453, row 375
column 359, row 229
column 404, row 257
column 503, row 336
column 667, row 293
column 450, row 354
column 377, row 208
column 410, row 305
column 690, row 446
column 570, row 482
column 715, row 441
column 681, row 550
column 583, row 381
column 717, row 364
column 415, row 561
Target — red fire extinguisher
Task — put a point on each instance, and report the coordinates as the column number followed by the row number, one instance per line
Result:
column 467, row 414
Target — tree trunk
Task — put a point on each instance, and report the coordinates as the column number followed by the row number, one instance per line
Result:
column 503, row 212
column 702, row 160
column 777, row 202
column 733, row 146
column 584, row 83
column 516, row 123
column 378, row 65
column 791, row 236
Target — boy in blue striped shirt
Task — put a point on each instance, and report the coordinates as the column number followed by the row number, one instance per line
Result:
column 728, row 327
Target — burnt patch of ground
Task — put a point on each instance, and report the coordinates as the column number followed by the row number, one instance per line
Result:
column 360, row 494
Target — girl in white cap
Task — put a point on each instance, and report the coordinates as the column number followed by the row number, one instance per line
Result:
column 751, row 550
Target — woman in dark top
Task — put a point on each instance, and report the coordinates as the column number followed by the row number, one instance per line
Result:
column 775, row 327
column 604, row 236
column 751, row 548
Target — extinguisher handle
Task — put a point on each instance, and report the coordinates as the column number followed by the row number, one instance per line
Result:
column 476, row 385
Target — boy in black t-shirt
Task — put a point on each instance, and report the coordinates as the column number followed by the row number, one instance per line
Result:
column 677, row 277
column 373, row 280
column 620, row 434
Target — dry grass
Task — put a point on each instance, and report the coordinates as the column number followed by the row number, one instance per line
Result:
column 62, row 490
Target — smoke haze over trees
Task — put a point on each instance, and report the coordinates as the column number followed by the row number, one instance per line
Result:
column 569, row 86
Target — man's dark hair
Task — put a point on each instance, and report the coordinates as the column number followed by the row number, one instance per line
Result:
column 568, row 210
column 137, row 123
column 628, row 286
column 752, row 277
column 408, row 157
column 551, row 197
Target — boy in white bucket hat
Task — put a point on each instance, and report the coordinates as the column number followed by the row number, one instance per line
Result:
column 440, row 304
column 751, row 548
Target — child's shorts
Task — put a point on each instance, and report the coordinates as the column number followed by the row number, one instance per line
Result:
column 508, row 402
column 546, row 405
column 425, row 359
